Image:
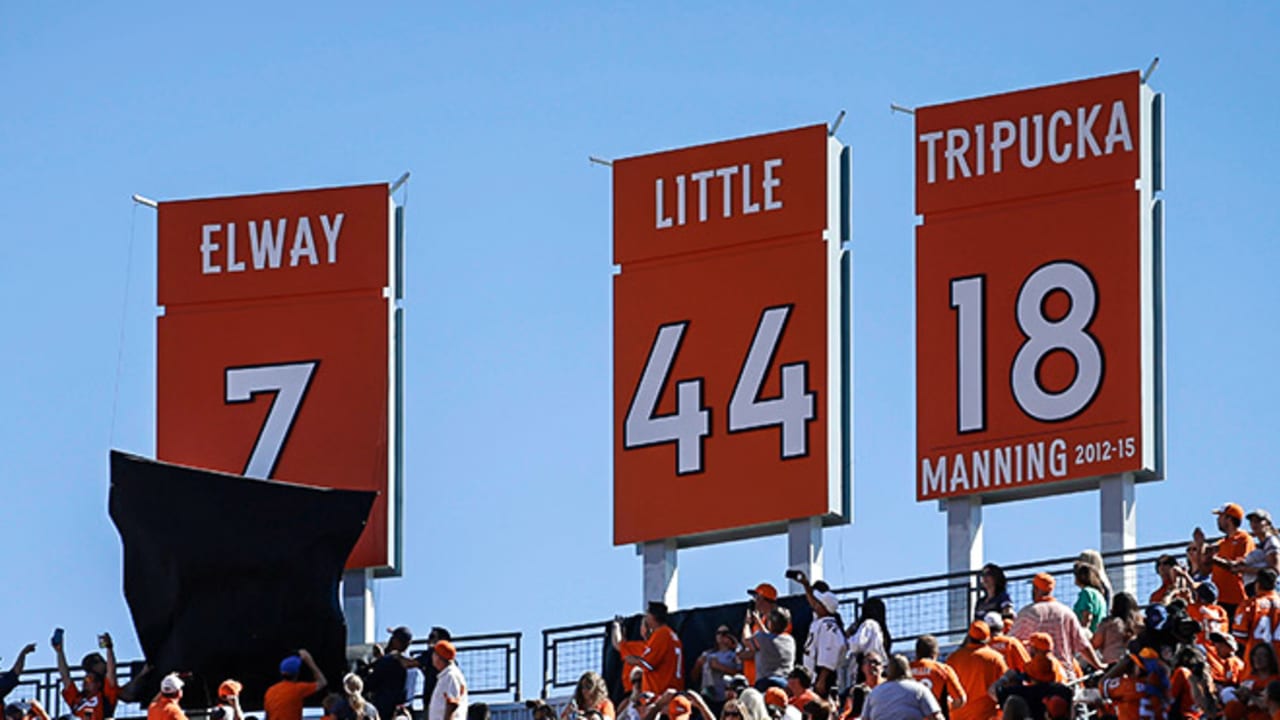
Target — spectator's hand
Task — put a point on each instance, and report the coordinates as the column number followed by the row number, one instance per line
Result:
column 800, row 577
column 106, row 641
column 304, row 655
column 27, row 650
column 377, row 651
column 35, row 705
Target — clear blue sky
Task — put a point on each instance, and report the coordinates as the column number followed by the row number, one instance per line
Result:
column 495, row 108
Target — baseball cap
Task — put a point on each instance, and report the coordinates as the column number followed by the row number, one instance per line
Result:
column 1041, row 641
column 229, row 688
column 171, row 684
column 1230, row 509
column 401, row 632
column 1043, row 582
column 828, row 600
column 764, row 590
column 680, row 707
column 1260, row 514
column 1219, row 636
column 291, row 665
column 775, row 696
column 979, row 631
column 993, row 620
column 445, row 649
column 1207, row 591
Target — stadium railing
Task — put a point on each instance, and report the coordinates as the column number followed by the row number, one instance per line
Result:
column 491, row 664
column 913, row 607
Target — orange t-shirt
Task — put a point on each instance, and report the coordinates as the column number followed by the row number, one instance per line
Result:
column 663, row 657
column 977, row 667
column 1256, row 622
column 283, row 700
column 1131, row 702
column 605, row 708
column 92, row 707
column 165, row 708
column 940, row 678
column 1180, row 694
column 1225, row 671
column 1212, row 618
column 1230, row 585
column 1014, row 652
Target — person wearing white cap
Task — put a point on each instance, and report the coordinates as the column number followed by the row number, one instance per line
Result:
column 824, row 645
column 165, row 706
column 1266, row 551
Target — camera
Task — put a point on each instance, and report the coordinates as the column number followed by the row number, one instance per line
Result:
column 794, row 575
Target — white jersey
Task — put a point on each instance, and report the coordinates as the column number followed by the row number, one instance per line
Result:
column 450, row 686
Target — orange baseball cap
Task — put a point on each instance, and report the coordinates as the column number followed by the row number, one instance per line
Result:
column 765, row 590
column 680, row 707
column 979, row 631
column 775, row 696
column 445, row 649
column 1041, row 641
column 1043, row 582
column 229, row 688
column 1232, row 510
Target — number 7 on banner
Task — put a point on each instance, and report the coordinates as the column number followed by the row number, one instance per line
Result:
column 290, row 382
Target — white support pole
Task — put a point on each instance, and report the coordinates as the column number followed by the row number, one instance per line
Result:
column 661, row 576
column 357, row 607
column 964, row 554
column 804, row 549
column 1119, row 522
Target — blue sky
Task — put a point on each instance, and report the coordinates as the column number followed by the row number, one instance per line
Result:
column 494, row 108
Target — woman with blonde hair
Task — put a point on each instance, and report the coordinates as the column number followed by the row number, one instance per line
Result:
column 590, row 694
column 353, row 705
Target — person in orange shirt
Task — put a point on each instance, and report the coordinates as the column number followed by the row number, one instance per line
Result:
column 1043, row 667
column 1011, row 648
column 978, row 667
column 1226, row 552
column 660, row 655
column 1257, row 620
column 165, row 706
column 96, row 697
column 1224, row 660
column 764, row 599
column 941, row 680
column 283, row 701
column 1207, row 612
column 1263, row 670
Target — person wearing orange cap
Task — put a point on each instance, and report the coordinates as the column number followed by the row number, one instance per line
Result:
column 1043, row 667
column 1226, row 553
column 764, row 599
column 1046, row 615
column 779, row 705
column 978, row 667
column 679, row 708
column 228, row 707
column 449, row 697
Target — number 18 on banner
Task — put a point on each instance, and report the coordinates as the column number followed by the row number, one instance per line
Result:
column 730, row 328
column 1038, row 290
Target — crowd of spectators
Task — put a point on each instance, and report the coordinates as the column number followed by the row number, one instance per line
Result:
column 376, row 690
column 1203, row 647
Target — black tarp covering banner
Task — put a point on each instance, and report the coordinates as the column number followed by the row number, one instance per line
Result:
column 696, row 628
column 226, row 575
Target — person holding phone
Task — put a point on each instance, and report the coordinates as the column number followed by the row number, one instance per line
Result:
column 96, row 697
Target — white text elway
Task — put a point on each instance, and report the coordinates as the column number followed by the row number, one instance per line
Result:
column 222, row 248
